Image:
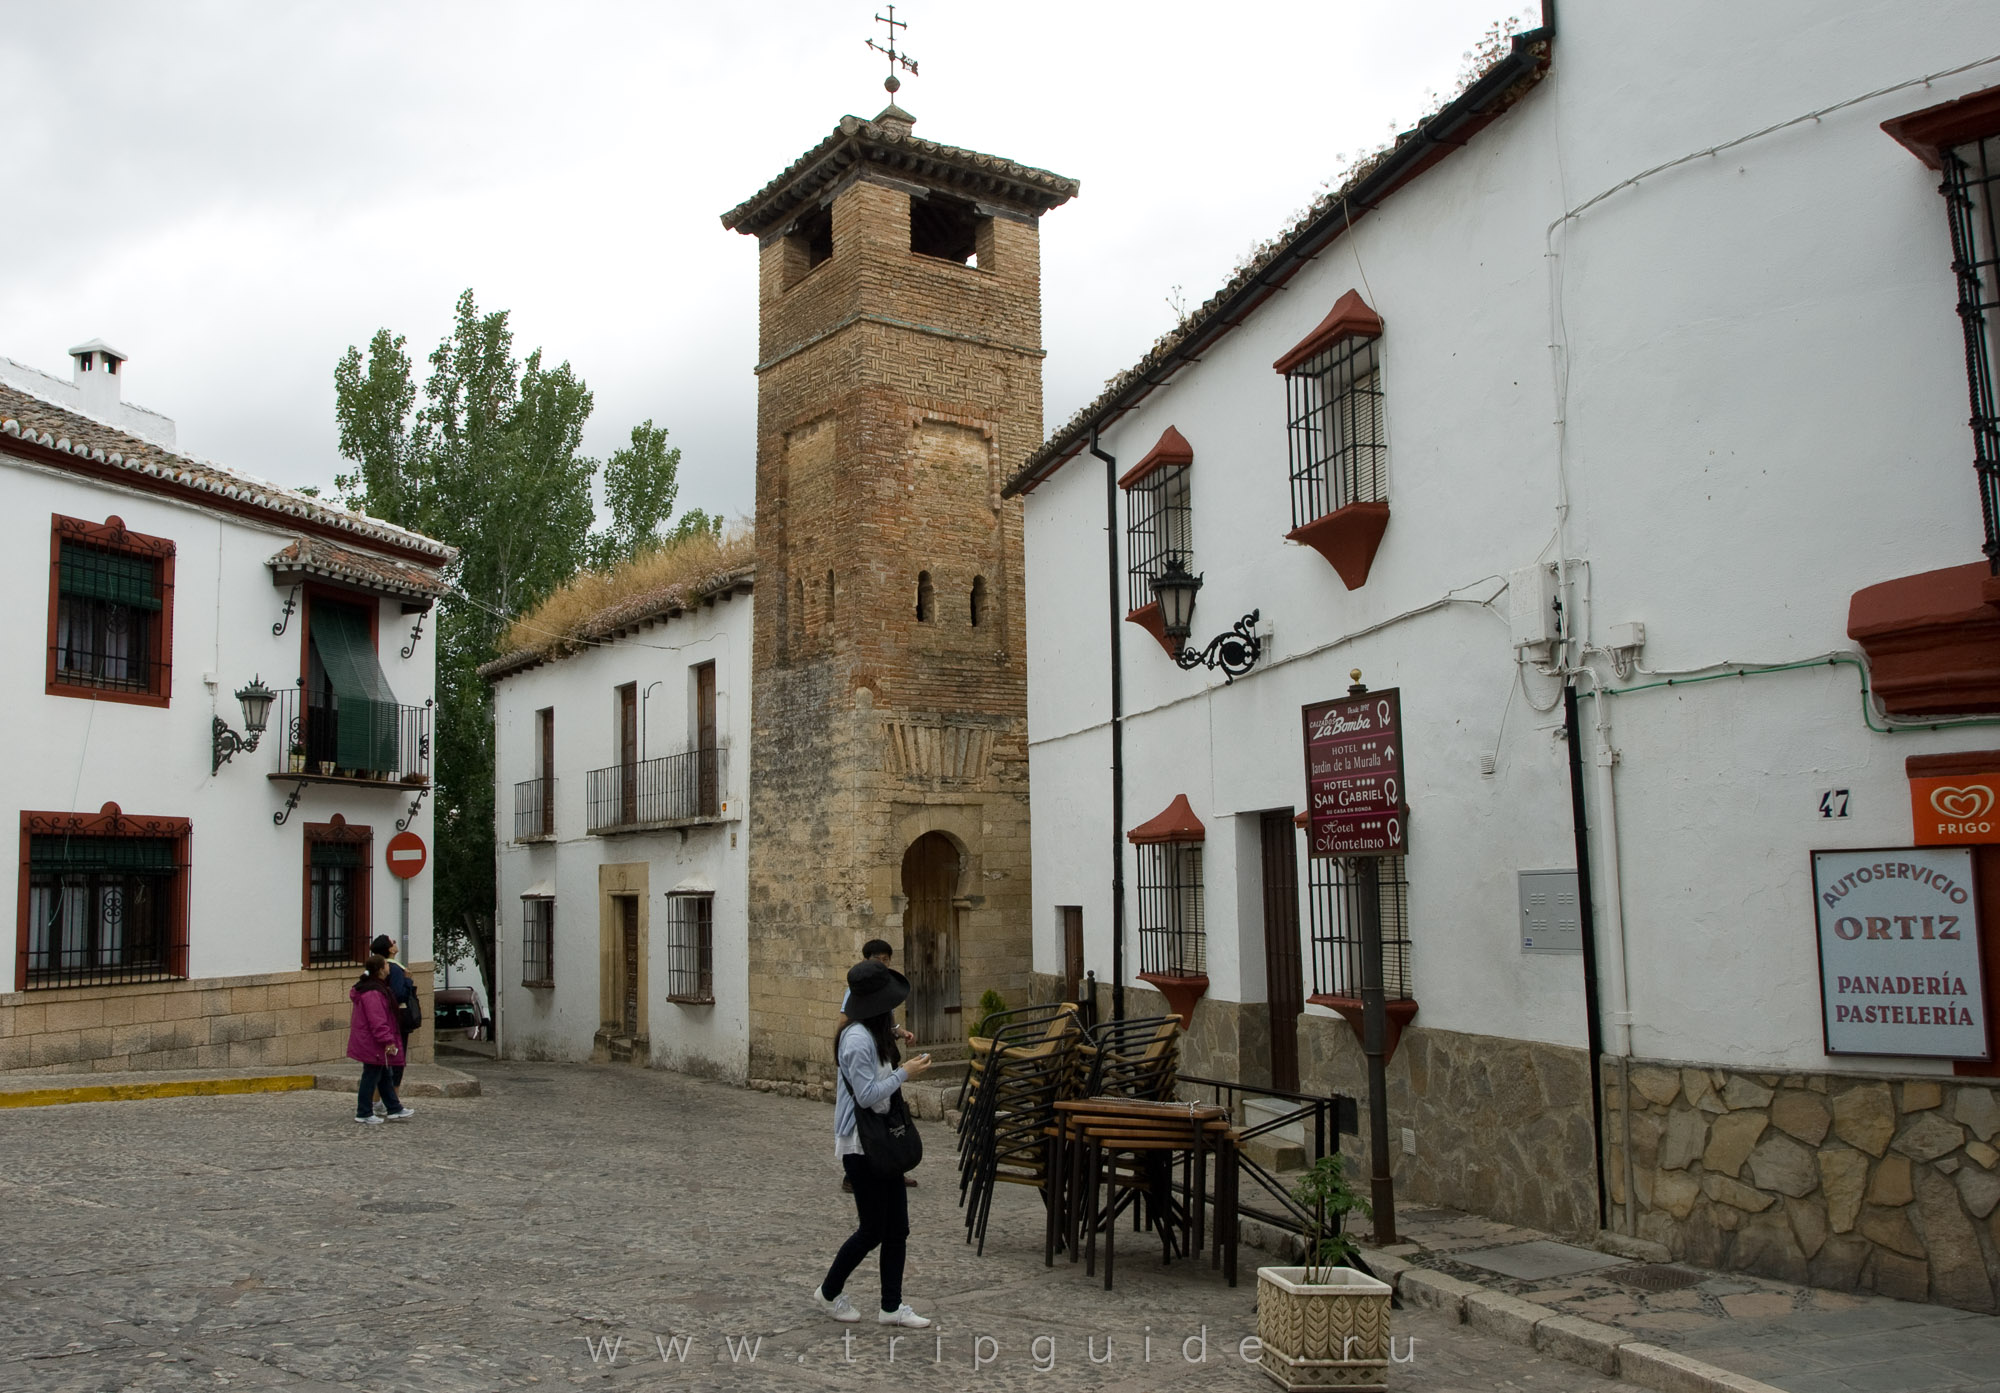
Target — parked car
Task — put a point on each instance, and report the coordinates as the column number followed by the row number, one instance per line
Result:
column 455, row 1014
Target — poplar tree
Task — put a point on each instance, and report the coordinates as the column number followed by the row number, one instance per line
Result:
column 489, row 463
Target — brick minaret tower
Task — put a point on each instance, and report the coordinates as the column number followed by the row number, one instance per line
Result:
column 899, row 381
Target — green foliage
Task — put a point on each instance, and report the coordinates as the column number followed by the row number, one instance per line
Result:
column 488, row 463
column 991, row 1003
column 1324, row 1191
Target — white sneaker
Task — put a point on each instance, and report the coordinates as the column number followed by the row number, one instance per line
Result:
column 369, row 1121
column 840, row 1308
column 904, row 1317
column 404, row 1116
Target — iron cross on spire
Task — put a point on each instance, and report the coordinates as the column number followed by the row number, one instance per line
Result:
column 909, row 64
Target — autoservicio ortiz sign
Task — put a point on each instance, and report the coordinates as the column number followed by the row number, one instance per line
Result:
column 1899, row 952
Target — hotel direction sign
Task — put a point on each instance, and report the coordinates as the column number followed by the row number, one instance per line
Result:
column 1354, row 776
column 1899, row 952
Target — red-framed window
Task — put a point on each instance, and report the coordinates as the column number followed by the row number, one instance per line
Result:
column 111, row 612
column 338, row 861
column 103, row 899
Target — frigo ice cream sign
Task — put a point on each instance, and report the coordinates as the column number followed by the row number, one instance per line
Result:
column 1900, row 970
column 1955, row 809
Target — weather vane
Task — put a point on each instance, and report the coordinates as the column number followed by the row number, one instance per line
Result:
column 892, row 82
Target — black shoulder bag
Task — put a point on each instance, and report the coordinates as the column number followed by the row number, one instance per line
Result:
column 888, row 1139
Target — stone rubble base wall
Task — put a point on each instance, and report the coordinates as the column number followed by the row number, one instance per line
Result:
column 276, row 1020
column 1837, row 1180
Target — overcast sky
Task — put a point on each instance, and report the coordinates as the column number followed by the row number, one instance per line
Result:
column 232, row 193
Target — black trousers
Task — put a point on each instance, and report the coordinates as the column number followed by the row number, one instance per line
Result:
column 884, row 1207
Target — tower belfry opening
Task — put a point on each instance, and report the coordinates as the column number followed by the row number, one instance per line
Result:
column 894, row 393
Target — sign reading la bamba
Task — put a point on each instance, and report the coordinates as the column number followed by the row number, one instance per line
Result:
column 1899, row 953
column 1354, row 776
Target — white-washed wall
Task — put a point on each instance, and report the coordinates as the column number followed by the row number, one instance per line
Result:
column 244, row 882
column 562, row 1022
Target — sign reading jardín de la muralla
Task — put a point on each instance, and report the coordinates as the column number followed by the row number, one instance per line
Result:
column 1899, row 953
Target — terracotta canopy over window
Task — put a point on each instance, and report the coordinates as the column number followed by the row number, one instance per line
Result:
column 1173, row 449
column 1349, row 318
column 1927, row 134
column 1175, row 823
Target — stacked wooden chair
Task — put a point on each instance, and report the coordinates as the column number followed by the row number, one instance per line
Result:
column 1132, row 1059
column 1007, row 1123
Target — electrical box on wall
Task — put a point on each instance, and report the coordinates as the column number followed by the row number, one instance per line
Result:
column 1531, row 610
column 1551, row 919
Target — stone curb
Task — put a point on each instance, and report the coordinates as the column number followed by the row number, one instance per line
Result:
column 166, row 1088
column 1606, row 1349
column 456, row 1085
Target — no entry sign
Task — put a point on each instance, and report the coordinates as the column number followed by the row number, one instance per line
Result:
column 1354, row 776
column 407, row 855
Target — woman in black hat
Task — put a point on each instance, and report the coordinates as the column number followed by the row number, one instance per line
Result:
column 870, row 1071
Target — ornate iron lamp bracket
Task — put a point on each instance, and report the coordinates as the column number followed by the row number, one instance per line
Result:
column 227, row 743
column 1233, row 653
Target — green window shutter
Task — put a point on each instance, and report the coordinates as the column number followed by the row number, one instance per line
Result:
column 111, row 576
column 340, row 854
column 58, row 855
column 366, row 708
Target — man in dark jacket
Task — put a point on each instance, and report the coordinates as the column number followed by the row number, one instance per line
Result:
column 404, row 989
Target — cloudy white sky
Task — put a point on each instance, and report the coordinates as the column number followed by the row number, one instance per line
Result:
column 233, row 192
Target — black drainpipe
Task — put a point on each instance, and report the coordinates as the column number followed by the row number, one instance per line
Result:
column 1117, row 734
column 1587, row 922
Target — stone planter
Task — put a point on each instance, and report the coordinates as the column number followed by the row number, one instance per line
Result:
column 1330, row 1334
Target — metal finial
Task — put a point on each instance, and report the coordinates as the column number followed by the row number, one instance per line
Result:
column 903, row 60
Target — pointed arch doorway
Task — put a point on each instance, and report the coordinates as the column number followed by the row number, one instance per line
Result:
column 931, row 870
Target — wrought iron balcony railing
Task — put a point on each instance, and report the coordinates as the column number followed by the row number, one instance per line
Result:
column 317, row 735
column 684, row 787
column 534, row 809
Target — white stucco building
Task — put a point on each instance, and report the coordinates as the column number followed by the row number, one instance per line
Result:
column 182, row 899
column 1646, row 480
column 619, row 799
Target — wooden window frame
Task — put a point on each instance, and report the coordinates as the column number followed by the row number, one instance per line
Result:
column 547, row 929
column 109, row 822
column 339, row 832
column 691, row 950
column 112, row 535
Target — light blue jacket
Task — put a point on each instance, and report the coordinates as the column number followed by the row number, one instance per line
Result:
column 863, row 1076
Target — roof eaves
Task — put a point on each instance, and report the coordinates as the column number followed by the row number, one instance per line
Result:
column 1415, row 151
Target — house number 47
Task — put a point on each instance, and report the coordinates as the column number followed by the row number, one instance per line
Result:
column 1833, row 803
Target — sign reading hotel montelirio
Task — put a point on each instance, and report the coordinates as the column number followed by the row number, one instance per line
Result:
column 1899, row 952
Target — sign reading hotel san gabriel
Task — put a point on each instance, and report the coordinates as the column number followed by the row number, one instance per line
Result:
column 1899, row 952
column 1354, row 776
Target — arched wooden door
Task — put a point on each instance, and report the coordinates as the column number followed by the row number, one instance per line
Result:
column 930, row 935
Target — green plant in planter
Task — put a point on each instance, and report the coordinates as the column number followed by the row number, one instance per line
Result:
column 1324, row 1190
column 991, row 1003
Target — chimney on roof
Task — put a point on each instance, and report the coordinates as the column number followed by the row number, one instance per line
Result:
column 96, row 376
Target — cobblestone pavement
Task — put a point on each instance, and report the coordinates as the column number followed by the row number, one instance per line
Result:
column 1801, row 1339
column 267, row 1242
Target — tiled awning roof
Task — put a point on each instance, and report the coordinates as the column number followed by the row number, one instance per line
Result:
column 314, row 558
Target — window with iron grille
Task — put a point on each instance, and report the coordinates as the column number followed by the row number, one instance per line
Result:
column 538, row 942
column 111, row 610
column 1334, row 899
column 1339, row 451
column 105, row 909
column 1159, row 525
column 691, row 948
column 337, row 901
column 1172, row 939
column 1971, row 171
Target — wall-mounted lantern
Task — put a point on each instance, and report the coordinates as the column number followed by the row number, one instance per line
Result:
column 1234, row 652
column 256, row 700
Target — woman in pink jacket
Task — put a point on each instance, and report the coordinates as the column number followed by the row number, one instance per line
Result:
column 374, row 1040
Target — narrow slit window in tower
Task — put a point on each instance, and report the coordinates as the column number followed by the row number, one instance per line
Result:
column 924, row 597
column 978, row 599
